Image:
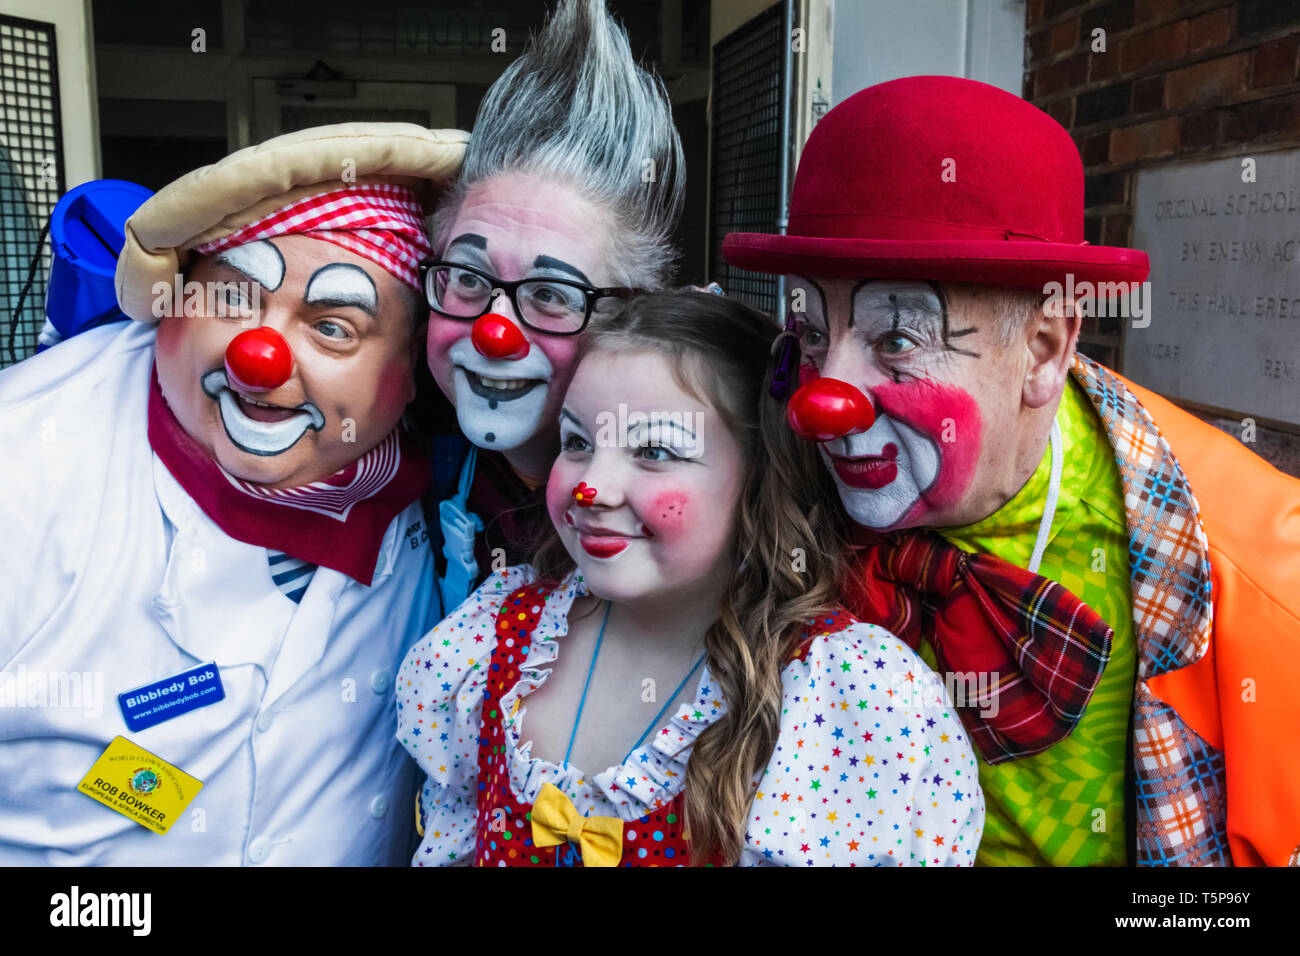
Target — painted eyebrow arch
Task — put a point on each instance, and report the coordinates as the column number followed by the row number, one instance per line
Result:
column 565, row 413
column 224, row 259
column 469, row 239
column 941, row 315
column 368, row 304
column 664, row 426
column 549, row 262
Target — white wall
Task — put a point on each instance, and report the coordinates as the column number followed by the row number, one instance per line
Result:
column 78, row 104
column 879, row 40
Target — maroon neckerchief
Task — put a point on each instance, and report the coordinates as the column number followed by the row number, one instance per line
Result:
column 1040, row 650
column 338, row 522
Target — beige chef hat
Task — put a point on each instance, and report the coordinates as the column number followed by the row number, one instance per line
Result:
column 363, row 186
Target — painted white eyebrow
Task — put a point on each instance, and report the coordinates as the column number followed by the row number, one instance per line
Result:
column 658, row 430
column 341, row 283
column 916, row 300
column 259, row 260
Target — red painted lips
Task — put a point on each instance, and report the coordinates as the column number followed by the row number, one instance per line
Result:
column 602, row 546
column 873, row 471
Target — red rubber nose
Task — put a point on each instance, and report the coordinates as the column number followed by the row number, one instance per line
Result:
column 827, row 408
column 496, row 337
column 258, row 360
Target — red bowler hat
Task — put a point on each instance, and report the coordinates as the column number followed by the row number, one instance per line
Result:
column 943, row 178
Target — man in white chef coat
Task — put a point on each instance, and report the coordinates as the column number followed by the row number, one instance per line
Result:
column 213, row 511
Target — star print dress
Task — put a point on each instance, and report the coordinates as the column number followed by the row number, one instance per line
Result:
column 872, row 766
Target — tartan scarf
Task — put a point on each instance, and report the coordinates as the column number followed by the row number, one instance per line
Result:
column 1180, row 778
column 1036, row 651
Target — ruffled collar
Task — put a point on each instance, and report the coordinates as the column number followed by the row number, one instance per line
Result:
column 653, row 775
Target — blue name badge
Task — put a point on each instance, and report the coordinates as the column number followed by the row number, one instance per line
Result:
column 171, row 697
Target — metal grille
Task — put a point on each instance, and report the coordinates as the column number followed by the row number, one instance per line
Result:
column 31, row 178
column 746, row 149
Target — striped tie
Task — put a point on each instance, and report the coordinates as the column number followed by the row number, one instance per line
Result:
column 291, row 575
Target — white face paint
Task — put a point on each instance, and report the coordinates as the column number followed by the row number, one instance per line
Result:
column 893, row 465
column 257, row 437
column 260, row 261
column 342, row 284
column 670, row 430
column 658, row 523
column 499, row 403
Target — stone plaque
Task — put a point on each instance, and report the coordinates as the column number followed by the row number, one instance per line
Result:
column 1225, row 284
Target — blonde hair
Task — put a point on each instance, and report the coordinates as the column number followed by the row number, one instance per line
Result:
column 785, row 561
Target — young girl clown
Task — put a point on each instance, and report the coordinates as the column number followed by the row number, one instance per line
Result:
column 681, row 631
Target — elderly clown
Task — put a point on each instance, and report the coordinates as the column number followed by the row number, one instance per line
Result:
column 572, row 185
column 232, row 559
column 1108, row 582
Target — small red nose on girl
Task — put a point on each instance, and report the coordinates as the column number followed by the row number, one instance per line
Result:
column 496, row 337
column 258, row 360
column 827, row 408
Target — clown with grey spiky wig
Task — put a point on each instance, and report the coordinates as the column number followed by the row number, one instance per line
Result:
column 572, row 186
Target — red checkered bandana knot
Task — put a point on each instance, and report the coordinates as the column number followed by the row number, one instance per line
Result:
column 382, row 222
column 1035, row 651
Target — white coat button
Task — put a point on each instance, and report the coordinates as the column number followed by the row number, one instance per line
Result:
column 379, row 681
column 259, row 850
column 265, row 721
column 379, row 806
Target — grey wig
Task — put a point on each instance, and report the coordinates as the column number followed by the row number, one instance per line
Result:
column 576, row 107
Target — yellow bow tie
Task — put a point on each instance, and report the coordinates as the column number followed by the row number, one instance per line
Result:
column 556, row 820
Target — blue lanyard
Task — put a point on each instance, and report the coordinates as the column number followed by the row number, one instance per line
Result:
column 663, row 710
column 582, row 702
column 459, row 526
column 591, row 669
column 600, row 638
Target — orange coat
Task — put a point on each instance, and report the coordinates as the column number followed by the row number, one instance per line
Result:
column 1243, row 696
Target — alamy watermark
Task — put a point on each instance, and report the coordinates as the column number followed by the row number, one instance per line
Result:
column 233, row 300
column 677, row 431
column 1120, row 300
column 925, row 689
column 68, row 690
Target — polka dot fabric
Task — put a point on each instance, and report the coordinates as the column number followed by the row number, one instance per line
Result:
column 504, row 830
column 460, row 694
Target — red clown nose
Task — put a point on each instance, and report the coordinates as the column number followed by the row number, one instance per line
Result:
column 258, row 360
column 827, row 408
column 496, row 337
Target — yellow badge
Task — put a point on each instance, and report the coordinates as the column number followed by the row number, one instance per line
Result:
column 140, row 785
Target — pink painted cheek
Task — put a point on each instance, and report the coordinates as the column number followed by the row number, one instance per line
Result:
column 560, row 352
column 559, row 491
column 167, row 340
column 394, row 390
column 668, row 514
column 442, row 335
column 951, row 418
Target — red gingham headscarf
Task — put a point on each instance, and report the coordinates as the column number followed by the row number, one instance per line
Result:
column 382, row 222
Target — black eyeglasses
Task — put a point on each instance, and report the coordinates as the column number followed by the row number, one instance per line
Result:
column 553, row 306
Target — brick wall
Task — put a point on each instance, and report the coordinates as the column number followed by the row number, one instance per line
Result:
column 1178, row 79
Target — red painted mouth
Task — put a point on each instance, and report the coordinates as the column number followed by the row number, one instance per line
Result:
column 873, row 471
column 603, row 545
